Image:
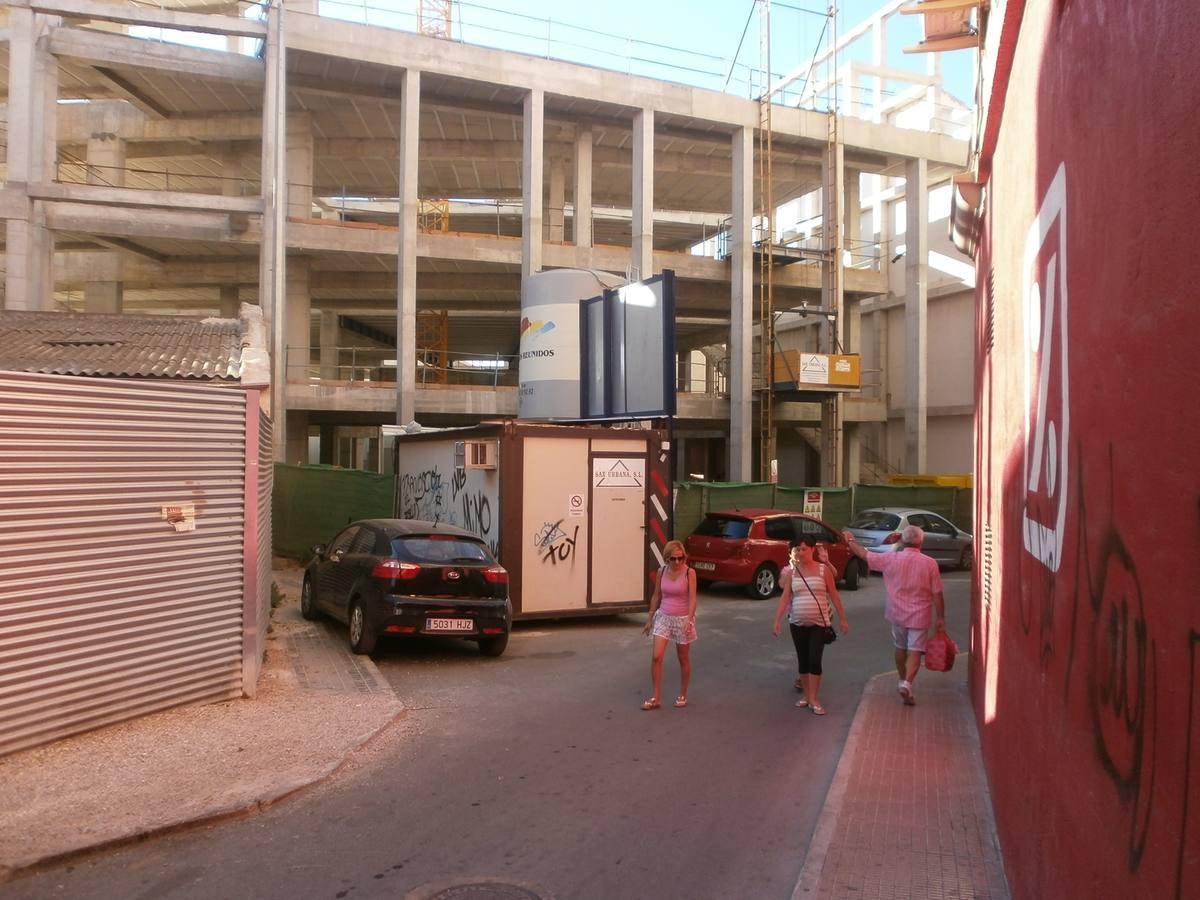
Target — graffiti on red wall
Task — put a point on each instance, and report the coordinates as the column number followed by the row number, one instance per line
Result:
column 1084, row 597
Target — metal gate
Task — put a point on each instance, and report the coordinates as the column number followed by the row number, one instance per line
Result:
column 122, row 539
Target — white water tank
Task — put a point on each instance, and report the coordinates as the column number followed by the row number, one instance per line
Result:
column 549, row 354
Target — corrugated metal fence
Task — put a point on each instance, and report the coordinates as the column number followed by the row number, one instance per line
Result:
column 256, row 611
column 107, row 611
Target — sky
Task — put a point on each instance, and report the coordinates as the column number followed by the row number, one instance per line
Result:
column 678, row 40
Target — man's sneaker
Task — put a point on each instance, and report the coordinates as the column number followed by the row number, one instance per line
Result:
column 907, row 693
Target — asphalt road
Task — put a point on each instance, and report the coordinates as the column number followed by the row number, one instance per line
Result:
column 539, row 774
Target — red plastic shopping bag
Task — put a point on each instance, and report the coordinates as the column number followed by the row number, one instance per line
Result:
column 940, row 653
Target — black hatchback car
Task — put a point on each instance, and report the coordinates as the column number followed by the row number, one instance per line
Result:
column 409, row 577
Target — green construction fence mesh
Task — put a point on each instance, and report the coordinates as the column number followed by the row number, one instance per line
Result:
column 693, row 499
column 311, row 503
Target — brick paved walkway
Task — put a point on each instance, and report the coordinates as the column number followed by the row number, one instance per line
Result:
column 908, row 815
column 318, row 655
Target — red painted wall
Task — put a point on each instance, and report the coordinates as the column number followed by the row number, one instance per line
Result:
column 1086, row 631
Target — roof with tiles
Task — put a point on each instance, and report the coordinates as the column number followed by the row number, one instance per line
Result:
column 133, row 346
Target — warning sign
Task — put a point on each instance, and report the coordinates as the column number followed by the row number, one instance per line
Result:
column 575, row 505
column 813, row 503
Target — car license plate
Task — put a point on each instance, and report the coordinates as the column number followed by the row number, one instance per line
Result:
column 432, row 624
column 705, row 566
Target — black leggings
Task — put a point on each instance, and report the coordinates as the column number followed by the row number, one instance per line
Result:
column 810, row 645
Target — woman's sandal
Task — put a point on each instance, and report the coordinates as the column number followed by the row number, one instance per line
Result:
column 680, row 702
column 652, row 703
column 817, row 708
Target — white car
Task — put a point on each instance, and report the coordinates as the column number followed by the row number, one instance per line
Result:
column 945, row 542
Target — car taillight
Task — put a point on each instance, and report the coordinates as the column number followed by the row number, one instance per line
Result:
column 496, row 574
column 394, row 568
column 892, row 538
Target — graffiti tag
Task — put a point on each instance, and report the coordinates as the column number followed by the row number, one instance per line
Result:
column 553, row 543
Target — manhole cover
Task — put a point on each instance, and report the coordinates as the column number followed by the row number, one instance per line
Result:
column 486, row 890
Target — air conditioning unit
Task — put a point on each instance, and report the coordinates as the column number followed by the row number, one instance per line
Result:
column 481, row 454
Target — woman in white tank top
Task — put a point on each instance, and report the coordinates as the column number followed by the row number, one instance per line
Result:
column 808, row 590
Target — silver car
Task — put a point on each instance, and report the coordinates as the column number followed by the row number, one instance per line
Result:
column 949, row 545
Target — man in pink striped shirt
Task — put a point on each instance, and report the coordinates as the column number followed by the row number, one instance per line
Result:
column 914, row 590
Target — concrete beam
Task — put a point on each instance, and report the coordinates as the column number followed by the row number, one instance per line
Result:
column 148, row 16
column 104, row 195
column 99, row 48
column 138, row 223
column 76, row 122
column 123, row 88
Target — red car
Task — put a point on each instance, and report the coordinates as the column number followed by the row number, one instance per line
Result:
column 750, row 547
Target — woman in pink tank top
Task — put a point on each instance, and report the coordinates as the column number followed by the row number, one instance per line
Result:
column 672, row 618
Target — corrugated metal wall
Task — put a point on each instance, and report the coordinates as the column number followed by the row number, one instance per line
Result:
column 257, row 611
column 108, row 612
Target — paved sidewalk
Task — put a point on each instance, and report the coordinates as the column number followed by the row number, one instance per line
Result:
column 316, row 704
column 909, row 815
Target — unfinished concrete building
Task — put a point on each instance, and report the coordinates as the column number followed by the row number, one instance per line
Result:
column 381, row 193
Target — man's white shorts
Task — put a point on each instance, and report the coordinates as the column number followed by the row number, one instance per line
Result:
column 910, row 638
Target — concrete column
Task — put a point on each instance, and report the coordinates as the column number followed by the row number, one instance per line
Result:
column 852, row 216
column 105, row 165
column 532, row 154
column 741, row 312
column 272, row 249
column 298, row 354
column 299, row 166
column 879, row 58
column 642, row 259
column 330, row 339
column 852, row 462
column 231, row 303
column 32, row 145
column 103, row 297
column 558, row 200
column 582, row 221
column 233, row 175
column 852, row 322
column 299, row 321
column 916, row 201
column 852, row 305
column 712, row 373
column 296, row 440
column 406, row 280
column 832, row 203
column 105, row 159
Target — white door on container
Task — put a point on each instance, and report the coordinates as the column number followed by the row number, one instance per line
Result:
column 618, row 515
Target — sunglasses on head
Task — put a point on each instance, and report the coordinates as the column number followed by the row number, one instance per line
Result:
column 675, row 559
